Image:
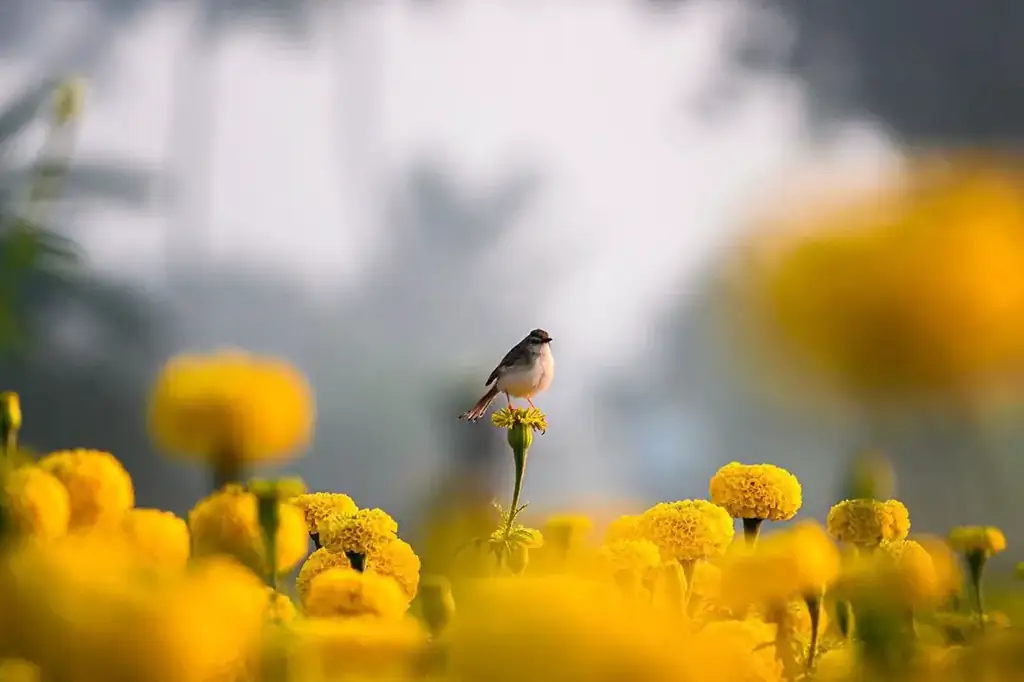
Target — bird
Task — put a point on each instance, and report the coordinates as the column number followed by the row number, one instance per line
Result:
column 525, row 371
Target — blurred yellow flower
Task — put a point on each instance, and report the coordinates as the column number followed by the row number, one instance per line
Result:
column 320, row 649
column 231, row 408
column 626, row 527
column 861, row 293
column 756, row 491
column 349, row 593
column 637, row 556
column 868, row 523
column 19, row 670
column 36, row 503
column 280, row 607
column 688, row 530
column 566, row 531
column 318, row 507
column 945, row 562
column 99, row 488
column 226, row 522
column 913, row 578
column 208, row 626
column 735, row 650
column 786, row 565
column 554, row 629
column 10, row 420
column 359, row 532
column 159, row 535
column 899, row 576
column 985, row 539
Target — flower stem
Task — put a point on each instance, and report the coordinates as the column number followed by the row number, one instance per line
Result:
column 976, row 566
column 520, row 448
column 357, row 560
column 688, row 571
column 268, row 512
column 226, row 469
column 814, row 608
column 783, row 641
column 751, row 529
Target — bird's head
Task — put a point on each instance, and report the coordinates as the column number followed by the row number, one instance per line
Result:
column 538, row 337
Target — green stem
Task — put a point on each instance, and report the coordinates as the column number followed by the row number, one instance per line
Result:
column 688, row 571
column 751, row 529
column 783, row 642
column 814, row 608
column 844, row 618
column 268, row 512
column 9, row 437
column 519, row 454
column 357, row 560
column 226, row 470
column 976, row 566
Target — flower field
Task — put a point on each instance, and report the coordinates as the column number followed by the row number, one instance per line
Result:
column 265, row 580
column 93, row 587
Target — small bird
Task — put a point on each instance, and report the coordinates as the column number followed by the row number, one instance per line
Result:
column 525, row 371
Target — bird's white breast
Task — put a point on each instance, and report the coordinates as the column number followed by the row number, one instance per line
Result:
column 528, row 381
column 546, row 366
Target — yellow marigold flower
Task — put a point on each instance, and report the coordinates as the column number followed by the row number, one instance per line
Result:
column 868, row 523
column 344, row 592
column 639, row 556
column 36, row 503
column 394, row 559
column 358, row 532
column 985, row 539
column 688, row 530
column 376, row 648
column 231, row 404
column 945, row 563
column 626, row 527
column 318, row 507
column 316, row 563
column 756, row 491
column 506, row 418
column 99, row 488
column 226, row 522
column 159, row 535
column 397, row 560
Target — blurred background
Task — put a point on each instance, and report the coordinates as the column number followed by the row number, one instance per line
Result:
column 392, row 193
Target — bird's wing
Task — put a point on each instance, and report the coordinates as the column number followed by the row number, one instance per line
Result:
column 514, row 357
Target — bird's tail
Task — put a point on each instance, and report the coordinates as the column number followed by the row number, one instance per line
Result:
column 480, row 409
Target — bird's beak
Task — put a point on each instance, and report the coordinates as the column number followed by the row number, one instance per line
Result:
column 549, row 340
